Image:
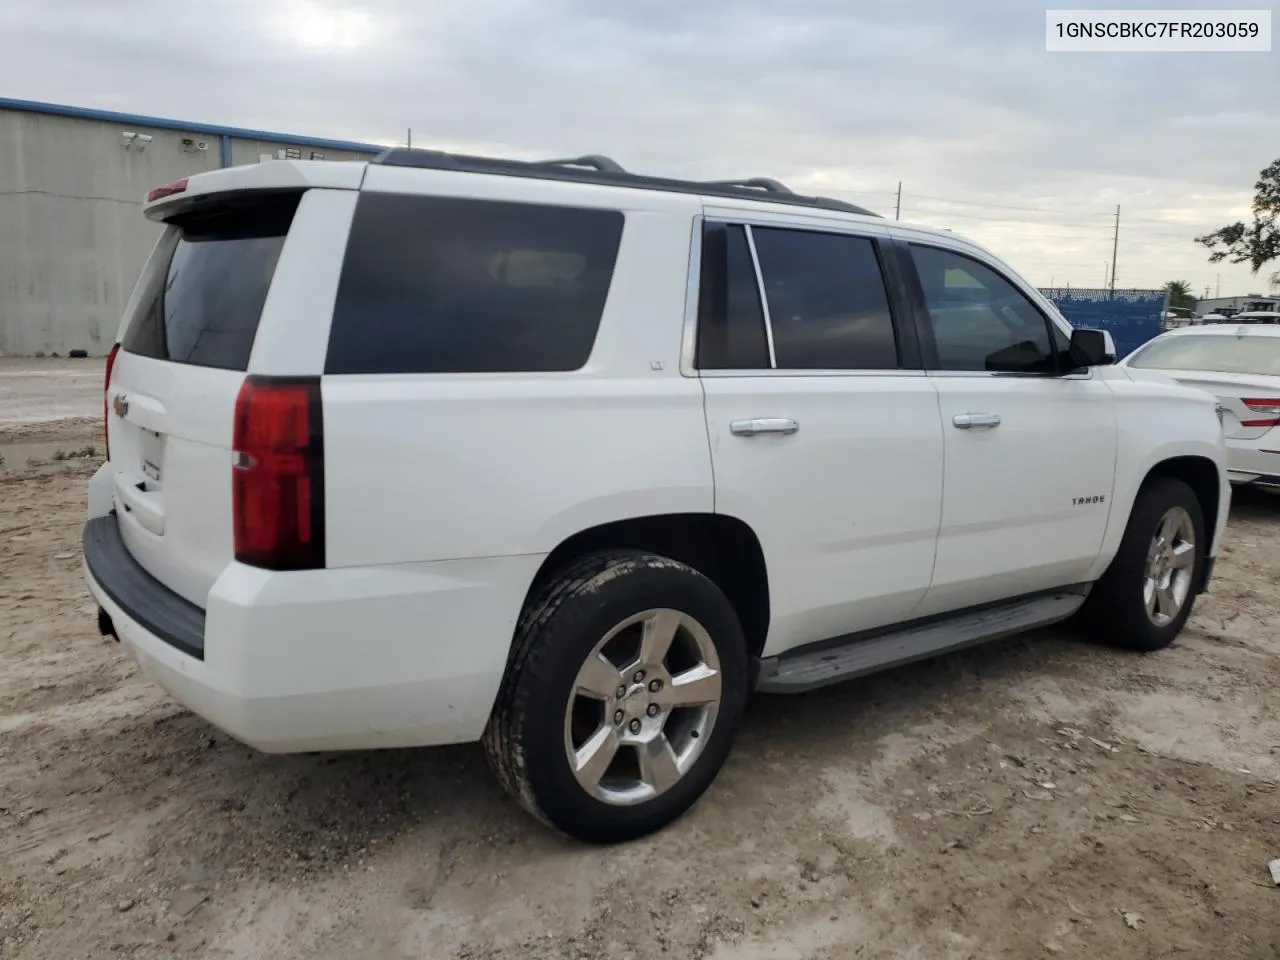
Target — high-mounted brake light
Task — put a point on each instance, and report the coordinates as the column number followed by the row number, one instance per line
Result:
column 168, row 190
column 1268, row 407
column 106, row 398
column 277, row 474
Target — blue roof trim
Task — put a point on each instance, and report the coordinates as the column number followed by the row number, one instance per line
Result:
column 159, row 123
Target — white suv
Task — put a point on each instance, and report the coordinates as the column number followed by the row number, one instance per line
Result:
column 438, row 449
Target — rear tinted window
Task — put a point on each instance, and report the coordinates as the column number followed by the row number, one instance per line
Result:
column 1213, row 353
column 446, row 285
column 827, row 301
column 731, row 332
column 203, row 308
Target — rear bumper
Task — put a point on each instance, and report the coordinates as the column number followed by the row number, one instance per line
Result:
column 1255, row 461
column 393, row 656
column 138, row 595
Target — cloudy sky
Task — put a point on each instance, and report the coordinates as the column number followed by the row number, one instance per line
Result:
column 1028, row 152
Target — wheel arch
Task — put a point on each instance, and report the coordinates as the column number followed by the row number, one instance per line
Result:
column 722, row 548
column 1201, row 475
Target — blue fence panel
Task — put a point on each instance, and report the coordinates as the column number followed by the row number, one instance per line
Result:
column 1132, row 316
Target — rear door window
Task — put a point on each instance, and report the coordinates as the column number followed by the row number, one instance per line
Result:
column 204, row 307
column 731, row 334
column 450, row 285
column 828, row 306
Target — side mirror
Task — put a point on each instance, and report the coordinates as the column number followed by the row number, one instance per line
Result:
column 1092, row 348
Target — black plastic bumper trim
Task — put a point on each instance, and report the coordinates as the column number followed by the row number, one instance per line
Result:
column 142, row 597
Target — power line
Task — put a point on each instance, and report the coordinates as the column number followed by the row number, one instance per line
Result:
column 981, row 203
column 1088, row 217
column 1043, row 231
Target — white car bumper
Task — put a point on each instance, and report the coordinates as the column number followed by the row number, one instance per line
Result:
column 393, row 656
column 1255, row 461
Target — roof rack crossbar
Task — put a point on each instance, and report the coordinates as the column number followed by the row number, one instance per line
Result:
column 594, row 161
column 767, row 184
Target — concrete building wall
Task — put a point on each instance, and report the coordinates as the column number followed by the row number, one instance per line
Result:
column 72, row 235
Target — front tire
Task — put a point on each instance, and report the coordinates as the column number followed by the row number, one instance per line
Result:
column 625, row 689
column 1144, row 599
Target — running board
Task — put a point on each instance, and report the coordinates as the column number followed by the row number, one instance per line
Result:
column 801, row 671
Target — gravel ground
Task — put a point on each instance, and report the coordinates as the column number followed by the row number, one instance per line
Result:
column 1040, row 797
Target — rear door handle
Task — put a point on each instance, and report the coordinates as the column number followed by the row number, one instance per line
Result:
column 752, row 428
column 967, row 421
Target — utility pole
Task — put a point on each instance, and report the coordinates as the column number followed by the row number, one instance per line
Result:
column 409, row 139
column 897, row 207
column 1115, row 247
column 1217, row 292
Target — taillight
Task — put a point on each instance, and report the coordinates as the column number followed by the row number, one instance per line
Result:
column 168, row 190
column 106, row 399
column 277, row 474
column 1269, row 408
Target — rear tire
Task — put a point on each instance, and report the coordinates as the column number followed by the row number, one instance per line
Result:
column 626, row 686
column 1144, row 599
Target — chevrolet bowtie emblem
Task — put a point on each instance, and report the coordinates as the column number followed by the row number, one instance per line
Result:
column 120, row 405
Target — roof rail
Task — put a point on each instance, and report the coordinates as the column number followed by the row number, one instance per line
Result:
column 602, row 171
column 780, row 191
column 766, row 184
column 593, row 160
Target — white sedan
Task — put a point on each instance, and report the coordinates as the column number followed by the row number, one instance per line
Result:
column 1240, row 365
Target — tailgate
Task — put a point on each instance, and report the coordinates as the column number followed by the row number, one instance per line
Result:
column 171, row 400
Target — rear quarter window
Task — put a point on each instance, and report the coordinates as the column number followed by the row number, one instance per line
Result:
column 204, row 307
column 449, row 285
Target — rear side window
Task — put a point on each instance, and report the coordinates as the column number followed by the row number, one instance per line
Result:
column 448, row 285
column 204, row 307
column 731, row 332
column 827, row 301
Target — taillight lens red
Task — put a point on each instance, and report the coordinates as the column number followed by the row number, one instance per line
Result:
column 168, row 190
column 106, row 398
column 1268, row 407
column 277, row 474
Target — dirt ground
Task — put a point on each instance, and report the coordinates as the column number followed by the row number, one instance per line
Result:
column 50, row 388
column 1041, row 797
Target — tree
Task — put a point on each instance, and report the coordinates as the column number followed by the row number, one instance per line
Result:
column 1256, row 243
column 1180, row 295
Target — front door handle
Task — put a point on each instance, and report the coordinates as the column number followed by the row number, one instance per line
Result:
column 967, row 421
column 752, row 428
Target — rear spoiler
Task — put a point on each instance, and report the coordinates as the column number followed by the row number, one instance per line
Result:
column 271, row 175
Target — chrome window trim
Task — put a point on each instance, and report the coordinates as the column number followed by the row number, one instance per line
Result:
column 794, row 372
column 760, row 292
column 693, row 292
column 1011, row 375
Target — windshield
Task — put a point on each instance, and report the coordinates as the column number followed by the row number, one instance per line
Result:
column 1219, row 353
